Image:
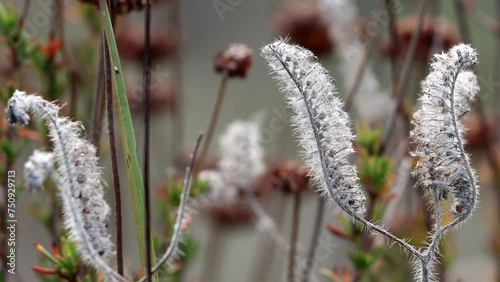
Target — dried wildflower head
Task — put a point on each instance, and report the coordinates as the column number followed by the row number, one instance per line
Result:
column 241, row 163
column 323, row 127
column 303, row 24
column 130, row 41
column 78, row 178
column 162, row 96
column 480, row 133
column 236, row 61
column 39, row 166
column 124, row 6
column 433, row 29
column 291, row 177
column 443, row 165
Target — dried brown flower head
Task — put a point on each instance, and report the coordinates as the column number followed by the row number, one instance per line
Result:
column 236, row 61
column 130, row 41
column 432, row 27
column 291, row 177
column 229, row 215
column 302, row 22
column 123, row 6
column 162, row 96
column 479, row 133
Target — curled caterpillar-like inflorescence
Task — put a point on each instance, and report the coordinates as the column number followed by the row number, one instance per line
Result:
column 78, row 178
column 443, row 166
column 323, row 127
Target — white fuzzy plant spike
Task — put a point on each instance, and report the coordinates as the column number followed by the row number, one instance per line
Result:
column 443, row 166
column 37, row 169
column 323, row 128
column 324, row 132
column 78, row 178
column 242, row 160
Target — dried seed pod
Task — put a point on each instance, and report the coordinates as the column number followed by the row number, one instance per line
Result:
column 236, row 61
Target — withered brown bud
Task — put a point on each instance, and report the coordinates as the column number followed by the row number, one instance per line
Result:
column 302, row 22
column 480, row 133
column 291, row 177
column 236, row 61
column 130, row 41
column 162, row 96
column 227, row 215
column 445, row 32
column 123, row 6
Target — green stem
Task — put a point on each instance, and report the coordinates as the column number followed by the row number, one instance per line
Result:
column 128, row 137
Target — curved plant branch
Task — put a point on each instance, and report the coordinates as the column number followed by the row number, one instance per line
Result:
column 173, row 248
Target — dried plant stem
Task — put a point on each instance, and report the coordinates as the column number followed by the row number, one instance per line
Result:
column 178, row 114
column 213, row 122
column 147, row 126
column 264, row 265
column 360, row 72
column 214, row 252
column 318, row 224
column 394, row 39
column 114, row 161
column 266, row 225
column 349, row 99
column 98, row 107
column 398, row 89
column 462, row 21
column 73, row 99
column 176, row 236
column 133, row 167
column 294, row 236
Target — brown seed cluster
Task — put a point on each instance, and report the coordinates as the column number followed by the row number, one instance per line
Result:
column 162, row 96
column 130, row 41
column 124, row 6
column 302, row 22
column 290, row 178
column 436, row 30
column 230, row 215
column 236, row 61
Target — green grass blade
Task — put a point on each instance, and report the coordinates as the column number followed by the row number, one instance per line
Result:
column 134, row 172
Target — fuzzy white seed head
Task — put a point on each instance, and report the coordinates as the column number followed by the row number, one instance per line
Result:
column 78, row 178
column 443, row 166
column 322, row 126
column 242, row 160
column 39, row 166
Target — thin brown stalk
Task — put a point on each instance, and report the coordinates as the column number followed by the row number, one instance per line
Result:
column 394, row 39
column 73, row 94
column 178, row 113
column 98, row 107
column 294, row 236
column 398, row 89
column 213, row 123
column 462, row 20
column 360, row 72
column 114, row 162
column 318, row 224
column 147, row 127
column 264, row 264
column 176, row 236
column 24, row 14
